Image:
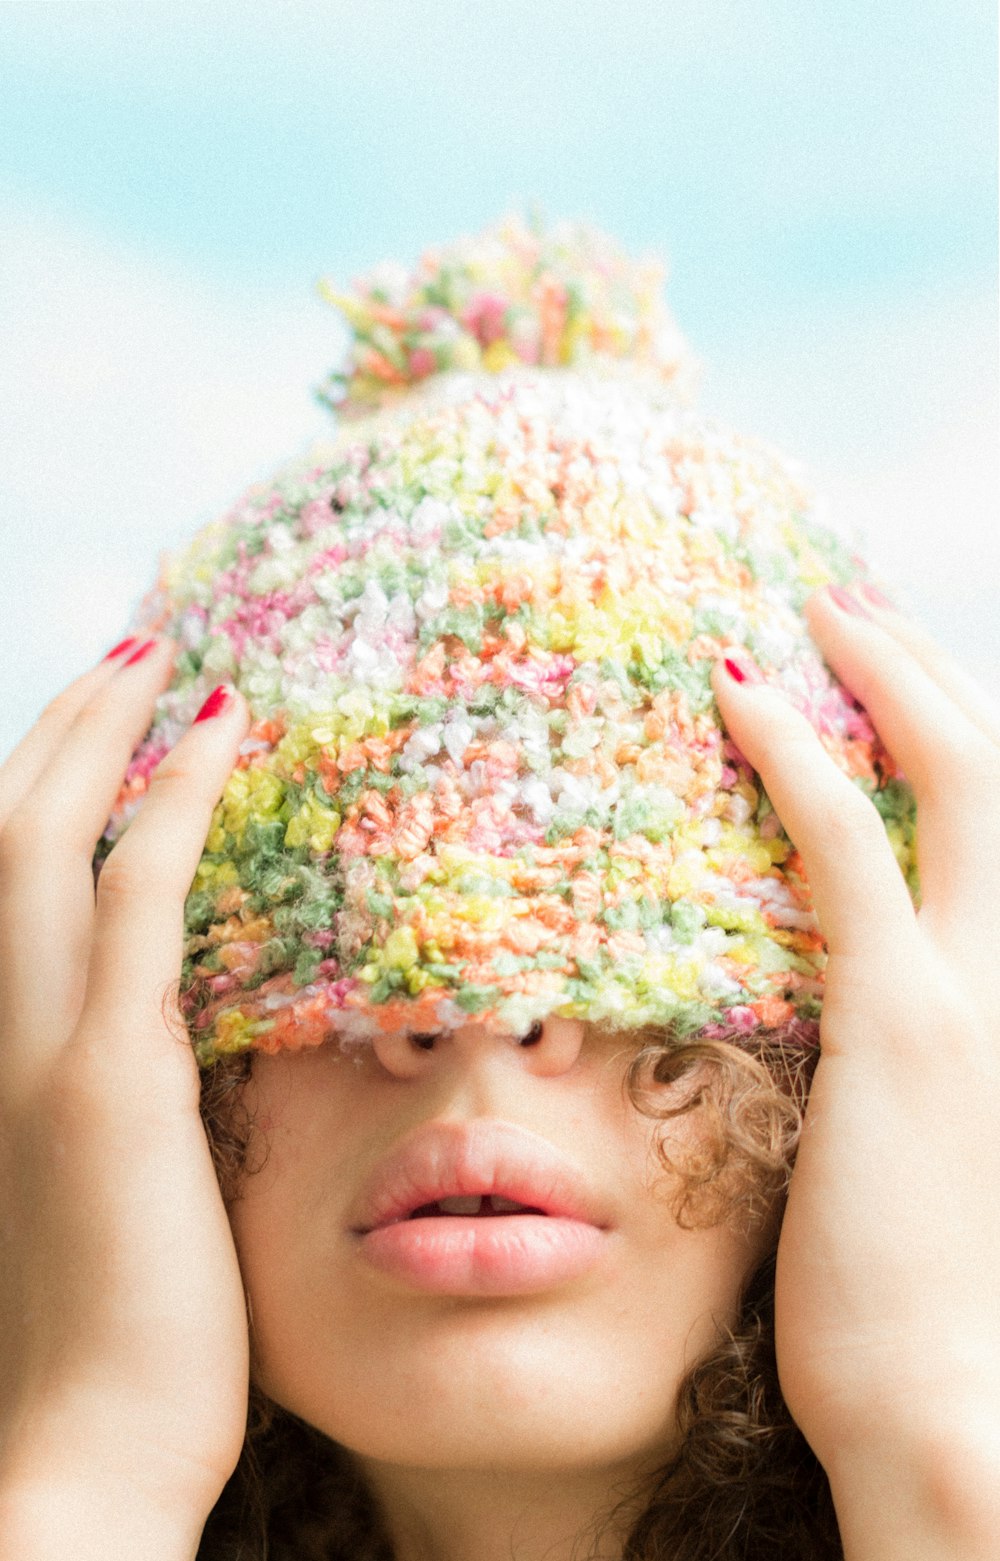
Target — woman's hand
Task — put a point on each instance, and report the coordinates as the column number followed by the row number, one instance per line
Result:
column 888, row 1280
column 123, row 1327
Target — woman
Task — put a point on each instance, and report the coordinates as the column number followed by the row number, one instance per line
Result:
column 582, row 1367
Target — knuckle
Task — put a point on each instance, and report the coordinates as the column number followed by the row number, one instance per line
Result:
column 75, row 1093
column 91, row 717
column 140, row 866
column 25, row 848
column 14, row 846
column 62, row 709
column 974, row 761
column 120, row 879
column 852, row 820
column 791, row 745
column 791, row 727
column 799, row 743
column 859, row 809
column 172, row 774
column 962, row 780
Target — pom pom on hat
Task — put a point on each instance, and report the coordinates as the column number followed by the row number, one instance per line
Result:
column 518, row 293
column 486, row 776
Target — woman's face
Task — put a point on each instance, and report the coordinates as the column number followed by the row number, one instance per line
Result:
column 553, row 1340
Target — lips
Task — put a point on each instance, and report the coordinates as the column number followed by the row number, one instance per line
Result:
column 525, row 1218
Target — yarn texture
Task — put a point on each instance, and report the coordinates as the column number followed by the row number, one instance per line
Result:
column 486, row 778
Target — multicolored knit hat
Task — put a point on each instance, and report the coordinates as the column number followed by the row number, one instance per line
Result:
column 486, row 777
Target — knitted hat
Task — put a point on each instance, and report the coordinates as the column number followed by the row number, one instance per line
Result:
column 486, row 777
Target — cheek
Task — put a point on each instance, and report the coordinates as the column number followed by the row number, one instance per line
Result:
column 289, row 1222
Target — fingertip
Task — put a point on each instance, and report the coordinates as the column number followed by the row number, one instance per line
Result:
column 210, row 747
column 223, row 710
column 876, row 597
column 119, row 651
column 840, row 605
column 219, row 702
column 736, row 669
column 153, row 647
column 239, row 703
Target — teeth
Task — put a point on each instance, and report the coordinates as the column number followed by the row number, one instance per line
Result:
column 472, row 1204
column 460, row 1205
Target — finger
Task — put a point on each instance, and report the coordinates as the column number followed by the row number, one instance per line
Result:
column 136, row 952
column 950, row 676
column 952, row 765
column 24, row 764
column 46, row 877
column 858, row 891
column 76, row 789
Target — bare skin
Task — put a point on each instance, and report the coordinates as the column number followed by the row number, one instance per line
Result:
column 889, row 1258
column 475, row 1417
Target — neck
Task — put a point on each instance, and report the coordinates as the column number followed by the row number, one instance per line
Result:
column 494, row 1515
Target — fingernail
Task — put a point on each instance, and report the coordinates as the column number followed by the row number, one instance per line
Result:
column 143, row 651
column 216, row 702
column 846, row 602
column 872, row 594
column 743, row 671
column 120, row 648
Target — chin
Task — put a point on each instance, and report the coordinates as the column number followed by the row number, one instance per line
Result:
column 521, row 1398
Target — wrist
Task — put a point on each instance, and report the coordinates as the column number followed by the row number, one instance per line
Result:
column 51, row 1519
column 920, row 1495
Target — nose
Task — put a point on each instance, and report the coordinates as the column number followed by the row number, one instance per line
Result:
column 549, row 1047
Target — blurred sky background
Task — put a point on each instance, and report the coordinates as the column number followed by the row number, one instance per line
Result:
column 174, row 179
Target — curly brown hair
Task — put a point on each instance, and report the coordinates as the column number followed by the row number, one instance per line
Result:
column 743, row 1484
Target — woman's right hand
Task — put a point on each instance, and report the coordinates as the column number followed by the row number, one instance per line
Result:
column 123, row 1324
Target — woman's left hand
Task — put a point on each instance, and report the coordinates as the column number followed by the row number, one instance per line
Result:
column 888, row 1280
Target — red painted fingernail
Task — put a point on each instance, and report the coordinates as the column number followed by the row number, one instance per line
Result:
column 143, row 651
column 872, row 594
column 216, row 702
column 120, row 648
column 745, row 671
column 846, row 602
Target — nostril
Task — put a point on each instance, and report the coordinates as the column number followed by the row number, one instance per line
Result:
column 423, row 1039
column 533, row 1036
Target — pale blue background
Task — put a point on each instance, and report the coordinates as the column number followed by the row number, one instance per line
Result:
column 174, row 179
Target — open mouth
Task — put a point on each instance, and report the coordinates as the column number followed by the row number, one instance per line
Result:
column 491, row 1204
column 481, row 1208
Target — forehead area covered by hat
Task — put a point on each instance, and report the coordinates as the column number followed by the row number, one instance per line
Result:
column 486, row 776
